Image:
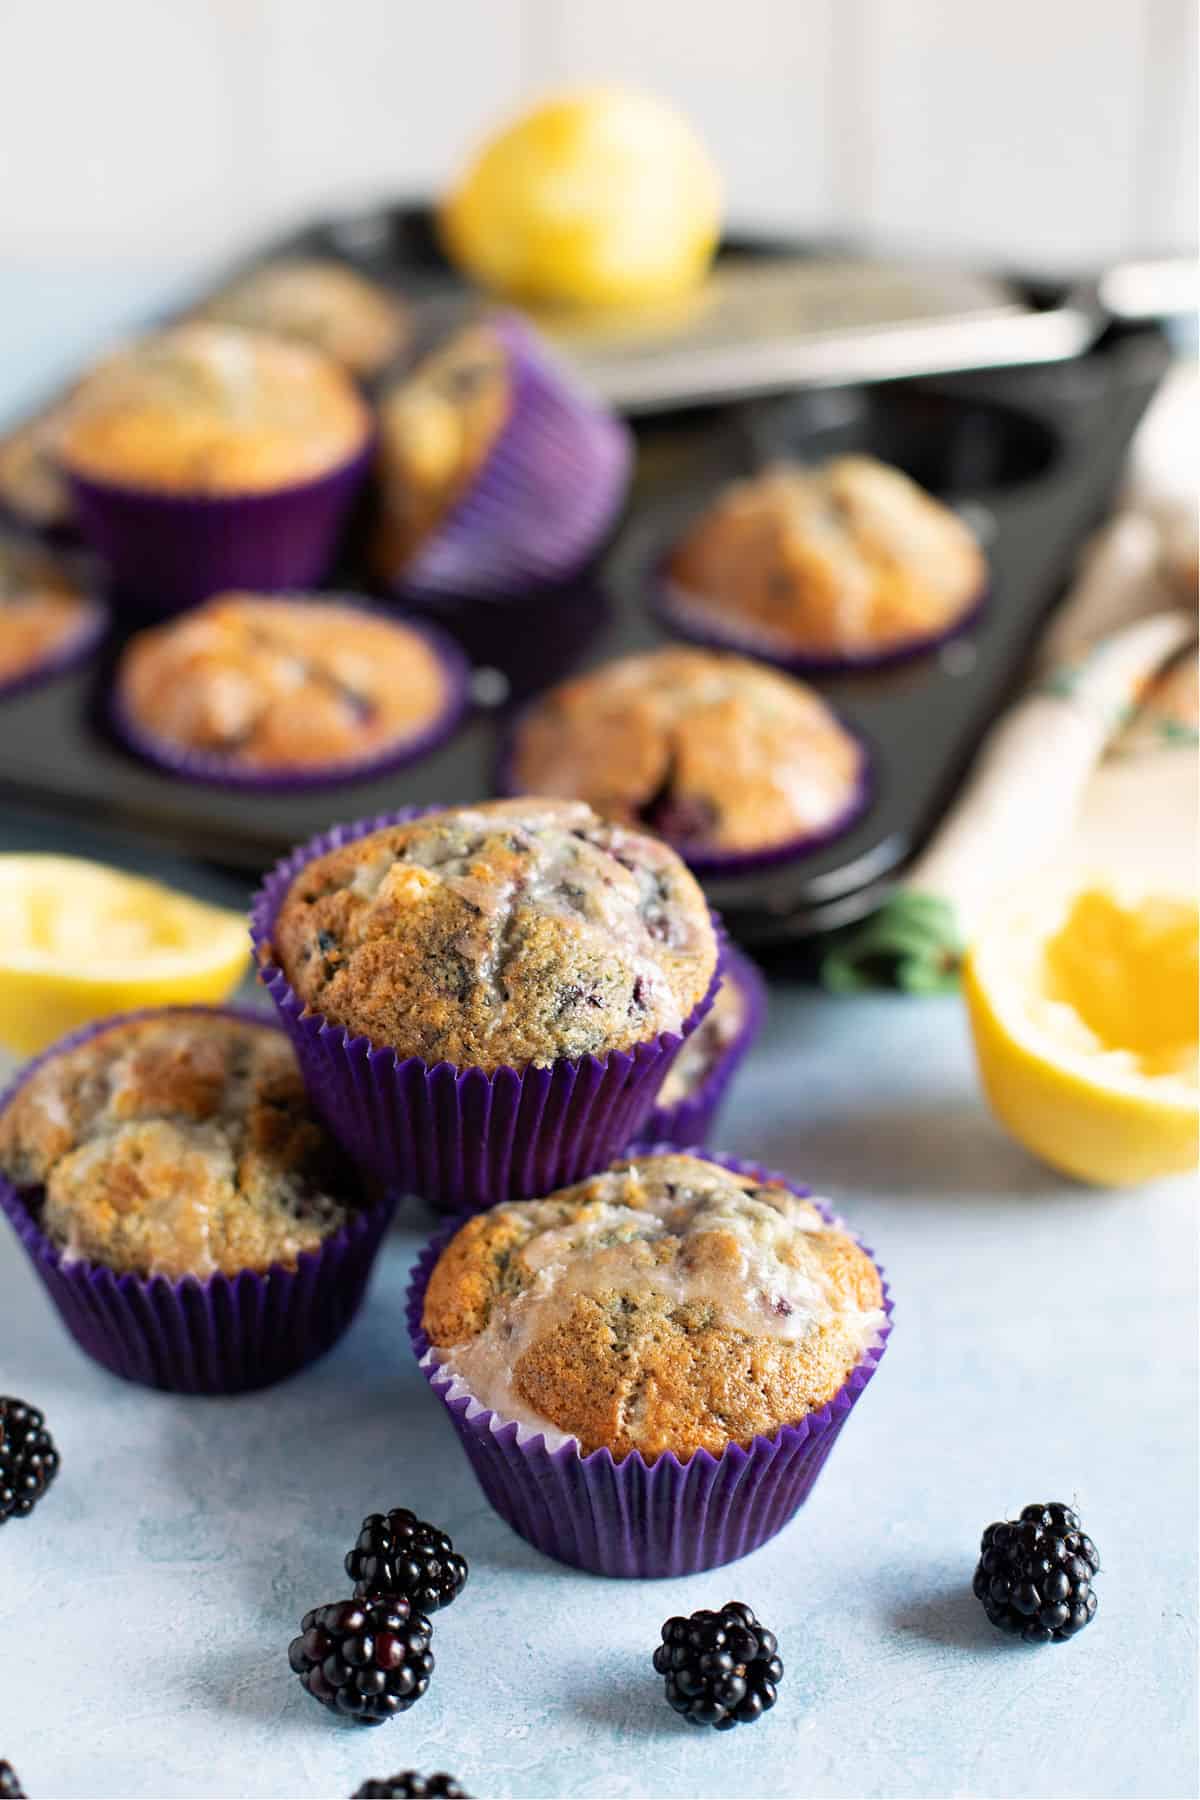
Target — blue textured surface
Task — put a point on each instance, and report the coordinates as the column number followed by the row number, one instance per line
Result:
column 1045, row 1348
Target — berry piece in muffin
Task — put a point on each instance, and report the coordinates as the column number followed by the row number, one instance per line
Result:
column 716, row 752
column 327, row 305
column 211, row 410
column 848, row 560
column 178, row 1143
column 438, row 425
column 269, row 684
column 43, row 609
column 513, row 932
column 667, row 1304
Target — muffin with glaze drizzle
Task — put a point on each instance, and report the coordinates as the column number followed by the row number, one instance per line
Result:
column 206, row 457
column 177, row 1149
column 690, row 1097
column 845, row 563
column 674, row 1313
column 732, row 762
column 324, row 304
column 524, row 956
column 48, row 618
column 261, row 689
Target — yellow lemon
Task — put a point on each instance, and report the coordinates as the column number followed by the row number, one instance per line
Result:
column 79, row 940
column 597, row 196
column 1084, row 1010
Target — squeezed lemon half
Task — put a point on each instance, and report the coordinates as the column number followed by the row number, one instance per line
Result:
column 597, row 196
column 79, row 940
column 1084, row 1009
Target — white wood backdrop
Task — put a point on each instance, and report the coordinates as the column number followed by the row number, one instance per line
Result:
column 1053, row 132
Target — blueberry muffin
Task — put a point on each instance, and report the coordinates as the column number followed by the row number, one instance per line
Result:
column 33, row 492
column 438, row 425
column 44, row 611
column 262, row 684
column 515, row 932
column 667, row 1304
column 178, row 1143
column 210, row 410
column 721, row 755
column 712, row 1039
column 846, row 561
column 326, row 305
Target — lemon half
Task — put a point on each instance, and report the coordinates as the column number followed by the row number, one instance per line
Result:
column 79, row 940
column 1084, row 1011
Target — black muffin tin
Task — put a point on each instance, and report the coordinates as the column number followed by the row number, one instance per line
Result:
column 1030, row 457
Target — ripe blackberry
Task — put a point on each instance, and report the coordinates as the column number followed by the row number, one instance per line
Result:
column 10, row 1787
column 1035, row 1574
column 719, row 1668
column 408, row 1785
column 398, row 1553
column 28, row 1459
column 367, row 1659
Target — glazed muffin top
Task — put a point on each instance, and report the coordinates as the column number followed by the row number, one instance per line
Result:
column 716, row 752
column 848, row 558
column 510, row 932
column 327, row 305
column 437, row 427
column 176, row 1144
column 703, row 1050
column 42, row 606
column 265, row 683
column 209, row 409
column 666, row 1304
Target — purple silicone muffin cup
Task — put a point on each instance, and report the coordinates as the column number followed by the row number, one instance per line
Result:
column 690, row 1120
column 222, row 1335
column 216, row 771
column 632, row 1518
column 547, row 493
column 461, row 1138
column 167, row 550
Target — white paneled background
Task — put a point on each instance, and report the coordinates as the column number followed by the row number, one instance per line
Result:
column 1055, row 133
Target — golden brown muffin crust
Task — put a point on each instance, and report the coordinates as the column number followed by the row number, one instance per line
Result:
column 512, row 932
column 42, row 607
column 179, row 1144
column 714, row 751
column 327, row 305
column 277, row 684
column 845, row 559
column 209, row 409
column 666, row 1304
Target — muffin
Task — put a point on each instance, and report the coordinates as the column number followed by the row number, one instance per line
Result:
column 326, row 305
column 257, row 689
column 633, row 1336
column 48, row 618
column 206, row 458
column 197, row 1226
column 483, row 993
column 33, row 490
column 495, row 472
column 734, row 763
column 700, row 1075
column 845, row 563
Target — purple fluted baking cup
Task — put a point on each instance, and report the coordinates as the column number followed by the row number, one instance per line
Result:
column 215, row 771
column 728, row 862
column 77, row 650
column 546, row 495
column 169, row 550
column 461, row 1138
column 222, row 1335
column 632, row 1518
column 690, row 1120
column 684, row 617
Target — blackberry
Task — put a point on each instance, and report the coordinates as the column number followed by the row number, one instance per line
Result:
column 28, row 1459
column 10, row 1787
column 367, row 1659
column 398, row 1553
column 1035, row 1574
column 719, row 1668
column 408, row 1785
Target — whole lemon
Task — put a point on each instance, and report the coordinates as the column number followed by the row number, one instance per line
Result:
column 596, row 197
